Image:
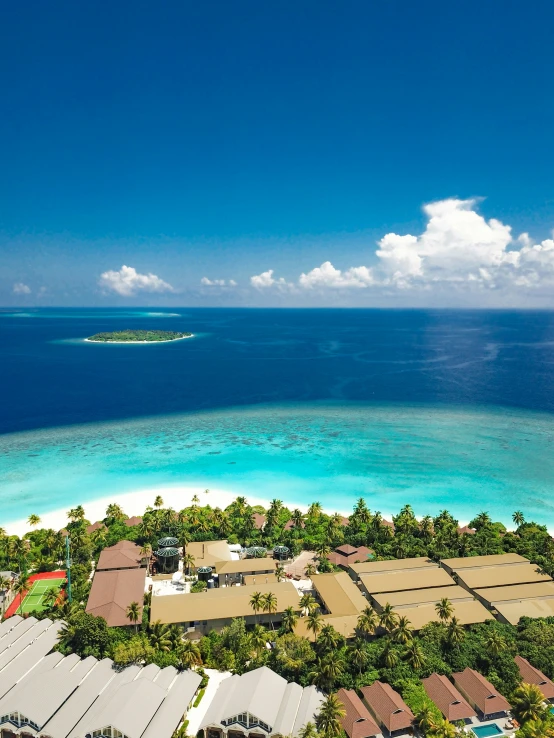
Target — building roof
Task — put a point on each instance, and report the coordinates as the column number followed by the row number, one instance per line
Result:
column 467, row 612
column 480, row 692
column 537, row 590
column 113, row 591
column 133, row 520
column 259, row 520
column 95, row 526
column 344, row 624
column 430, row 595
column 499, row 576
column 218, row 604
column 531, row 675
column 209, row 553
column 472, row 562
column 124, row 555
column 399, row 581
column 447, row 698
column 466, row 529
column 357, row 723
column 339, row 593
column 346, row 555
column 511, row 612
column 376, row 567
column 247, row 566
column 388, row 706
column 284, row 707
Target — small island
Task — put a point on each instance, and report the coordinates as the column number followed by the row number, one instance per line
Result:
column 129, row 336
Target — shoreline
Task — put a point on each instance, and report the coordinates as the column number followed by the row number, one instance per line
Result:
column 127, row 343
column 135, row 502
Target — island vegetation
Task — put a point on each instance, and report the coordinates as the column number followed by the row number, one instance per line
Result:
column 137, row 336
column 385, row 648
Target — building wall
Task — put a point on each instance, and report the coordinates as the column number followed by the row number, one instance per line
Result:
column 218, row 624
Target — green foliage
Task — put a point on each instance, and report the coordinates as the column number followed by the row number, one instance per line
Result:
column 133, row 336
column 199, row 697
column 199, row 586
column 416, row 698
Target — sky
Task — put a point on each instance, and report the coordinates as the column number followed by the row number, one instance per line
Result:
column 314, row 153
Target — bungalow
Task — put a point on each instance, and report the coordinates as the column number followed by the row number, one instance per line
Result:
column 112, row 592
column 387, row 707
column 480, row 693
column 357, row 722
column 124, row 555
column 346, row 554
column 447, row 698
column 530, row 675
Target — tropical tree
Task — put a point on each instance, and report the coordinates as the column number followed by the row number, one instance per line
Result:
column 390, row 656
column 368, row 620
column 388, row 618
column 444, row 609
column 402, row 633
column 308, row 603
column 329, row 718
column 315, row 510
column 443, row 729
column 258, row 638
column 290, row 618
column 189, row 654
column 158, row 502
column 20, row 588
column 328, row 638
column 76, row 514
column 5, row 587
column 543, row 728
column 257, row 603
column 188, row 562
column 414, row 655
column 494, row 643
column 146, row 553
column 33, row 520
column 358, row 655
column 310, row 570
column 327, row 670
column 313, row 622
column 455, row 632
column 115, row 511
column 308, row 731
column 133, row 613
column 160, row 636
column 50, row 596
column 280, row 572
column 269, row 605
column 528, row 703
column 518, row 518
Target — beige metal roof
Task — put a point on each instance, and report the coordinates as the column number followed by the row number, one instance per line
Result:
column 472, row 562
column 499, row 576
column 467, row 612
column 343, row 624
column 218, row 604
column 421, row 596
column 376, row 567
column 397, row 581
column 247, row 566
column 339, row 593
column 538, row 590
column 209, row 553
column 513, row 611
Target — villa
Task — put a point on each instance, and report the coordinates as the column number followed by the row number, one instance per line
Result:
column 346, row 555
column 387, row 707
column 480, row 693
column 260, row 703
column 124, row 555
column 112, row 592
column 530, row 675
column 447, row 698
column 357, row 723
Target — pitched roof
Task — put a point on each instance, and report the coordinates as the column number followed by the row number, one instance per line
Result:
column 113, row 591
column 388, row 706
column 339, row 593
column 95, row 526
column 447, row 698
column 480, row 692
column 516, row 592
column 134, row 520
column 124, row 555
column 474, row 562
column 377, row 567
column 410, row 579
column 346, row 549
column 429, row 595
column 259, row 520
column 531, row 675
column 357, row 723
column 511, row 612
column 499, row 576
column 209, row 553
column 346, row 555
column 466, row 611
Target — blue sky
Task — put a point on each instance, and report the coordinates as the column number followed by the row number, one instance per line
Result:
column 223, row 141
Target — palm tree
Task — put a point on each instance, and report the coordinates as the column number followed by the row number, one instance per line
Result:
column 297, row 519
column 160, row 637
column 329, row 718
column 257, row 603
column 307, row 603
column 322, row 551
column 76, row 514
column 444, row 609
column 528, row 703
column 444, row 729
column 388, row 618
column 327, row 670
column 133, row 613
column 425, row 719
column 328, row 638
column 368, row 621
column 315, row 510
column 50, row 596
column 269, row 605
column 310, row 570
column 258, row 638
column 402, row 633
column 358, row 655
column 308, row 731
column 290, row 618
column 518, row 518
column 280, row 572
column 313, row 622
column 158, row 502
column 146, row 553
column 390, row 656
column 20, row 588
column 414, row 655
column 455, row 632
column 543, row 728
column 495, row 643
column 33, row 520
column 115, row 511
column 188, row 562
column 189, row 654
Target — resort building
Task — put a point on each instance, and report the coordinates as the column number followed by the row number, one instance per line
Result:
column 132, row 521
column 480, row 693
column 124, row 555
column 357, row 723
column 346, row 555
column 388, row 708
column 209, row 553
column 482, row 562
column 447, row 698
column 530, row 675
column 403, row 580
column 341, row 604
column 233, row 572
column 112, row 592
column 251, row 579
column 380, row 567
column 260, row 703
column 500, row 576
column 213, row 609
column 427, row 596
column 490, row 596
column 468, row 612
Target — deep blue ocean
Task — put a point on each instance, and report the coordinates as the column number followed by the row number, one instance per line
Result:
column 435, row 408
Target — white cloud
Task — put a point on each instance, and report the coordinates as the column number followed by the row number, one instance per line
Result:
column 217, row 282
column 458, row 251
column 127, row 282
column 20, row 288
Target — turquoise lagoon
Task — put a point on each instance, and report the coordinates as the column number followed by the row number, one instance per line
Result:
column 464, row 459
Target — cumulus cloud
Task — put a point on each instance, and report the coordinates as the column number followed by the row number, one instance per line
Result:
column 458, row 250
column 20, row 288
column 127, row 282
column 217, row 282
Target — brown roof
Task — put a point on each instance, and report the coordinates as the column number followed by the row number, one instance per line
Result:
column 124, row 555
column 530, row 675
column 346, row 555
column 466, row 529
column 447, row 698
column 480, row 692
column 95, row 526
column 113, row 591
column 388, row 706
column 135, row 520
column 357, row 723
column 259, row 520
column 346, row 549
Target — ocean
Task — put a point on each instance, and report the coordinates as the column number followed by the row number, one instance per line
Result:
column 435, row 408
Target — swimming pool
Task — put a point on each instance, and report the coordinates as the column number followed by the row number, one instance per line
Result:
column 487, row 731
